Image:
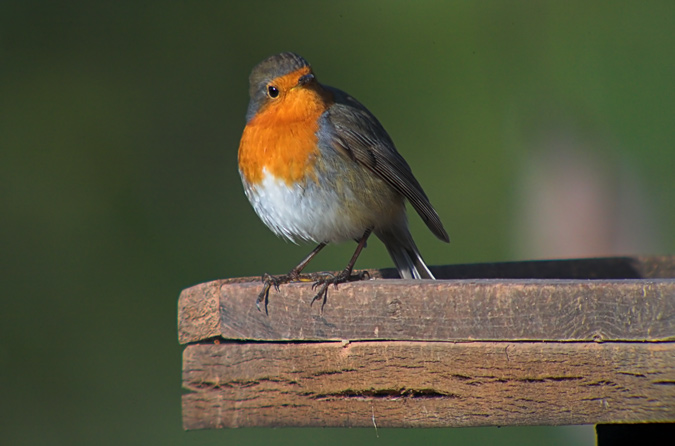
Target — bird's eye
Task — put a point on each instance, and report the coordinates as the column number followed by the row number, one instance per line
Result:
column 272, row 91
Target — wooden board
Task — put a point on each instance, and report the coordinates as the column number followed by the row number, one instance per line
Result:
column 427, row 384
column 523, row 343
column 489, row 309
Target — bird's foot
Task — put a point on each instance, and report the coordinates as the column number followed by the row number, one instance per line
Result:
column 324, row 280
column 270, row 281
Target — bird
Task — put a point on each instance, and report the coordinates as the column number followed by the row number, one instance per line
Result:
column 317, row 166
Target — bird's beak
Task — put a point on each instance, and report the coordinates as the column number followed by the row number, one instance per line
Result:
column 306, row 79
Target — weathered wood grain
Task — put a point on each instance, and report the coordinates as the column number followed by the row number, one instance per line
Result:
column 520, row 343
column 394, row 309
column 427, row 384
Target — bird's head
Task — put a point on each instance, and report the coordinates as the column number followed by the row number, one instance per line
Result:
column 285, row 84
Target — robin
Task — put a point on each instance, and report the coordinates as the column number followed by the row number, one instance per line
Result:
column 317, row 166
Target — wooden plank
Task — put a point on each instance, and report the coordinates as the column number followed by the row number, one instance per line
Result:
column 490, row 309
column 427, row 384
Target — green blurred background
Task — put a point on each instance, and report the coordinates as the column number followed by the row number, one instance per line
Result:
column 538, row 129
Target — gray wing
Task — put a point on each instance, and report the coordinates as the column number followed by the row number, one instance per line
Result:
column 362, row 137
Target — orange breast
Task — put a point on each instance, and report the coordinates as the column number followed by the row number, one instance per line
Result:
column 286, row 150
column 281, row 138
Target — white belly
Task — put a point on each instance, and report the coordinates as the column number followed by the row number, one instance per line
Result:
column 309, row 212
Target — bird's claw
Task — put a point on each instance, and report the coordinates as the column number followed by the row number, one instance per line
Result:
column 270, row 281
column 328, row 279
column 322, row 281
column 263, row 297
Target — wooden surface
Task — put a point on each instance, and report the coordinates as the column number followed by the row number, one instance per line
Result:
column 456, row 310
column 427, row 384
column 507, row 349
column 466, row 309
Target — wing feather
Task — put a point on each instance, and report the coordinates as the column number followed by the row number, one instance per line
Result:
column 362, row 137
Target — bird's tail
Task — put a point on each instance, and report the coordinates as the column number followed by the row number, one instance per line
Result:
column 404, row 253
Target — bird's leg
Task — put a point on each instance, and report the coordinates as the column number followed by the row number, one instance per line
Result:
column 269, row 280
column 344, row 276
